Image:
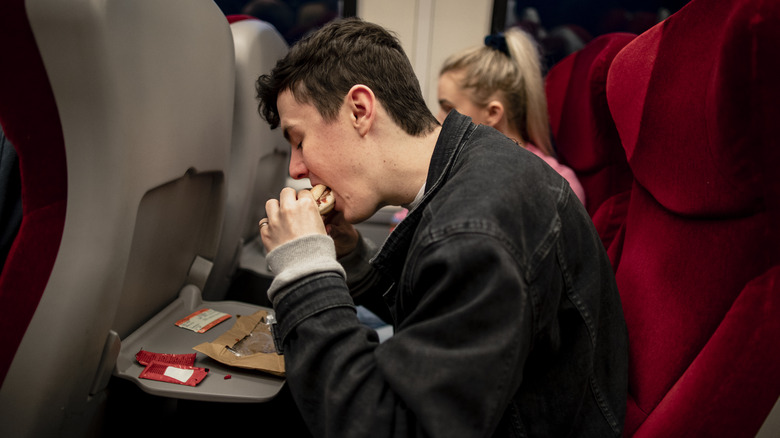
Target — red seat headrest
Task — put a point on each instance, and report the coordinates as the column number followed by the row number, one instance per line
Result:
column 713, row 131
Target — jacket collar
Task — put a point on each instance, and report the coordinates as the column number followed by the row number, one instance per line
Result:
column 455, row 130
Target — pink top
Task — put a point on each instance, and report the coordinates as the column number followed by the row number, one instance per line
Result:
column 562, row 170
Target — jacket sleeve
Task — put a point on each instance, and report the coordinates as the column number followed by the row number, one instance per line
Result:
column 361, row 276
column 452, row 366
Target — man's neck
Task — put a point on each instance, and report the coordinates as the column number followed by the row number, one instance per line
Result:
column 408, row 164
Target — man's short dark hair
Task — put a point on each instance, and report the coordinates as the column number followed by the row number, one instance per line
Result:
column 322, row 68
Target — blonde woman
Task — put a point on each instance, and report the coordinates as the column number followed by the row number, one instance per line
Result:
column 500, row 84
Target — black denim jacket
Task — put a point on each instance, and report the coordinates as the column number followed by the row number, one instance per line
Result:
column 506, row 314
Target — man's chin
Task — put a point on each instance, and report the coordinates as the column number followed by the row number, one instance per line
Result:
column 354, row 218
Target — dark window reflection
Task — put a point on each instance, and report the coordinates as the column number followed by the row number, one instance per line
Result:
column 564, row 26
column 292, row 18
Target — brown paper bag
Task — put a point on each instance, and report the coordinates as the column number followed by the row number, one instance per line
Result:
column 248, row 344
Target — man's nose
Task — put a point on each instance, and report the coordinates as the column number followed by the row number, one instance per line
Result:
column 297, row 169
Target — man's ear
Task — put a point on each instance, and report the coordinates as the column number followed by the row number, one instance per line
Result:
column 494, row 113
column 362, row 104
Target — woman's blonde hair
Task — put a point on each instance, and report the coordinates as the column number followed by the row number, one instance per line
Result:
column 516, row 75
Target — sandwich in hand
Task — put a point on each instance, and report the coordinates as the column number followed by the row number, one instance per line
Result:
column 324, row 197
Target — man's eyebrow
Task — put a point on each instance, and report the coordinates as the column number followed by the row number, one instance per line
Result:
column 286, row 132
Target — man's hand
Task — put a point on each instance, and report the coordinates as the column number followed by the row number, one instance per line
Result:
column 294, row 215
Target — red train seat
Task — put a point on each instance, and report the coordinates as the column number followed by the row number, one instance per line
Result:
column 585, row 133
column 695, row 100
column 30, row 120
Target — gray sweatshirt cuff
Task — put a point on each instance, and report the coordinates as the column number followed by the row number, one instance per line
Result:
column 310, row 254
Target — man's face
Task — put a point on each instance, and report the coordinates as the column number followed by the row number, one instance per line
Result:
column 325, row 152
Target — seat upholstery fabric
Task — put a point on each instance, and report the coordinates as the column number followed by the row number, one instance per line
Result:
column 584, row 132
column 29, row 118
column 695, row 102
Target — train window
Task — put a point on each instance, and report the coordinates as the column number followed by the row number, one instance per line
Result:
column 292, row 18
column 564, row 26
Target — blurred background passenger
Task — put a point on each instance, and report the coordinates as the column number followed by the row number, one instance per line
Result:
column 500, row 84
column 293, row 19
column 561, row 27
column 276, row 12
column 310, row 16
